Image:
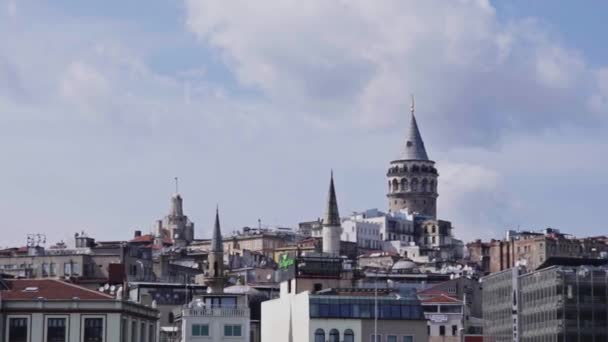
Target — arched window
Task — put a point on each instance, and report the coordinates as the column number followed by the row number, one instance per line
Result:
column 395, row 185
column 171, row 318
column 319, row 335
column 334, row 335
column 414, row 185
column 215, row 269
column 425, row 185
column 415, row 168
column 432, row 186
column 403, row 184
column 349, row 336
column 404, row 168
column 390, row 188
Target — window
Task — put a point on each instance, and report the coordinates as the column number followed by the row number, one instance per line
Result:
column 334, row 335
column 376, row 338
column 151, row 333
column 142, row 332
column 67, row 269
column 319, row 335
column 200, row 330
column 55, row 330
column 391, row 338
column 76, row 269
column 45, row 269
column 93, row 330
column 124, row 332
column 442, row 330
column 133, row 331
column 53, row 269
column 454, row 330
column 17, row 329
column 408, row 338
column 232, row 330
column 349, row 336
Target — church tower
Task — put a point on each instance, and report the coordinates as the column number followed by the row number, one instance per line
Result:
column 215, row 272
column 412, row 178
column 332, row 227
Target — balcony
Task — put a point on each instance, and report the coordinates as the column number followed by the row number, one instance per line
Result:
column 216, row 312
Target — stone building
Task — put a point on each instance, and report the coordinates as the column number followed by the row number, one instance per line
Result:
column 412, row 178
column 533, row 249
column 53, row 310
column 175, row 226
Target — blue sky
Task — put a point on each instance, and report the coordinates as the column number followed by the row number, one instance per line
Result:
column 102, row 104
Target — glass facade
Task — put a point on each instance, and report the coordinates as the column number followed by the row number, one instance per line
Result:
column 364, row 307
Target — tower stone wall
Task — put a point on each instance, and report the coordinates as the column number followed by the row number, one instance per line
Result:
column 412, row 185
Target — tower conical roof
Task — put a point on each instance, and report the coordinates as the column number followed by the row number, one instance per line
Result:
column 332, row 216
column 217, row 244
column 414, row 146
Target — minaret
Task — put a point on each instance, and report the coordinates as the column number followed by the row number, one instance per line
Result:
column 332, row 228
column 412, row 179
column 215, row 275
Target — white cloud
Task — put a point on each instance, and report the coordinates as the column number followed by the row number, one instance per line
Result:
column 474, row 198
column 359, row 60
column 85, row 86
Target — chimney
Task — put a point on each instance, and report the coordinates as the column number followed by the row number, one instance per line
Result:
column 137, row 233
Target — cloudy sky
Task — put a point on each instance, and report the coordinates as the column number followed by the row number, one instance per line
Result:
column 252, row 103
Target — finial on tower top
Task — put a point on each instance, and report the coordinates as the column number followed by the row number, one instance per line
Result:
column 412, row 105
column 176, row 185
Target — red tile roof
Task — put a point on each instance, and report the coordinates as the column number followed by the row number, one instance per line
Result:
column 441, row 299
column 51, row 289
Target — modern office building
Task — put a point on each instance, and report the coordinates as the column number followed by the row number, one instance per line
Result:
column 563, row 301
column 342, row 315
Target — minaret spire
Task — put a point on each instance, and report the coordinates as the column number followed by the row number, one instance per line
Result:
column 332, row 228
column 216, row 242
column 332, row 216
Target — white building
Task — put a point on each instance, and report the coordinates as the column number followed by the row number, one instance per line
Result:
column 341, row 315
column 215, row 318
column 445, row 317
column 36, row 310
column 374, row 226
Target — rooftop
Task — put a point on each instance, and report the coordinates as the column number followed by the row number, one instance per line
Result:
column 48, row 289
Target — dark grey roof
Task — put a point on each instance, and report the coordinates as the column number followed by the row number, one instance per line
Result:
column 332, row 216
column 414, row 146
column 216, row 241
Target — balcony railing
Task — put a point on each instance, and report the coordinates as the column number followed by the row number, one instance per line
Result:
column 216, row 312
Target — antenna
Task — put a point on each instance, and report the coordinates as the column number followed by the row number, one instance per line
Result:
column 176, row 185
column 412, row 105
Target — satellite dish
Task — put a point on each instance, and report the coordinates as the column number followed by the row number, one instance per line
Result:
column 101, row 289
column 269, row 276
column 106, row 286
column 112, row 288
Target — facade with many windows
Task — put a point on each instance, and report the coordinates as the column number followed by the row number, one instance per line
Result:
column 342, row 315
column 217, row 317
column 49, row 310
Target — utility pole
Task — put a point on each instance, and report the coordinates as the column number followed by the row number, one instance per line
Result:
column 376, row 307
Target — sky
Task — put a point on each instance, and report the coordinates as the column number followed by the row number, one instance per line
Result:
column 251, row 104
